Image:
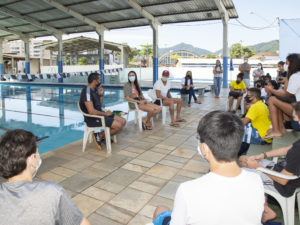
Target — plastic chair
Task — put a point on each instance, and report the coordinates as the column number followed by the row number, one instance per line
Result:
column 89, row 130
column 138, row 115
column 152, row 95
column 287, row 204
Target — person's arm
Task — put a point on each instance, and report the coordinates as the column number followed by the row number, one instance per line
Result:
column 91, row 110
column 246, row 120
column 158, row 94
column 280, row 93
column 214, row 71
column 85, row 221
column 240, row 68
column 248, row 68
column 169, row 94
column 100, row 92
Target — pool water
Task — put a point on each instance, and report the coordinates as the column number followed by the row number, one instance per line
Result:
column 50, row 111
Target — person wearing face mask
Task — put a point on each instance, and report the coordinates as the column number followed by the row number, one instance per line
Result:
column 245, row 69
column 188, row 88
column 289, row 166
column 280, row 103
column 133, row 93
column 23, row 200
column 91, row 100
column 226, row 194
column 162, row 91
column 281, row 73
column 237, row 88
column 218, row 74
column 256, row 121
column 258, row 73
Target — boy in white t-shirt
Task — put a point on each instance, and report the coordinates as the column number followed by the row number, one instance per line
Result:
column 227, row 195
column 162, row 90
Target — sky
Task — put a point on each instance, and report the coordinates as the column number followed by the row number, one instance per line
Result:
column 208, row 34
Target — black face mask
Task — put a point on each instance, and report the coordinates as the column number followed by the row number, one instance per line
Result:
column 238, row 81
column 258, row 86
column 247, row 99
column 98, row 85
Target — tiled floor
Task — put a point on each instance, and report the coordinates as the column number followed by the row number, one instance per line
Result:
column 143, row 171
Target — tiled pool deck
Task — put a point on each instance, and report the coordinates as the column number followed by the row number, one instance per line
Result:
column 143, row 171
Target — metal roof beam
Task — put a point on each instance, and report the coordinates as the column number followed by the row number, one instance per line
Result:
column 222, row 10
column 142, row 11
column 30, row 20
column 20, row 34
column 75, row 14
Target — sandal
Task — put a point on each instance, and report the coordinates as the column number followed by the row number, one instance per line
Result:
column 181, row 121
column 148, row 127
column 174, row 125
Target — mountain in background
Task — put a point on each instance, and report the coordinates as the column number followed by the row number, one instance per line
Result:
column 270, row 46
column 184, row 46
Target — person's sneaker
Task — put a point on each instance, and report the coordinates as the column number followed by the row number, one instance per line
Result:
column 288, row 126
column 97, row 141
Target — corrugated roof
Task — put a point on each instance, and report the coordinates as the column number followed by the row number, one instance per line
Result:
column 17, row 15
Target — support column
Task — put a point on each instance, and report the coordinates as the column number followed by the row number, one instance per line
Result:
column 61, row 107
column 122, row 55
column 100, row 33
column 1, row 57
column 155, row 52
column 13, row 65
column 225, row 53
column 27, row 55
column 59, row 56
column 41, row 58
column 28, row 100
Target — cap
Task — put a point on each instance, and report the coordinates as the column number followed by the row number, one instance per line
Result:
column 165, row 73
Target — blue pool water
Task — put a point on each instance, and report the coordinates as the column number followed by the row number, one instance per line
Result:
column 48, row 111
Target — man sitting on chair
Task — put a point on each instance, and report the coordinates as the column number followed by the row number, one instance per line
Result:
column 91, row 100
column 237, row 88
column 289, row 166
column 162, row 91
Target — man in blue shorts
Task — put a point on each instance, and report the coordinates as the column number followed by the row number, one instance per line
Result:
column 91, row 100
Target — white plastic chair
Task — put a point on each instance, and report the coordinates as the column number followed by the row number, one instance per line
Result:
column 287, row 204
column 138, row 117
column 151, row 93
column 89, row 130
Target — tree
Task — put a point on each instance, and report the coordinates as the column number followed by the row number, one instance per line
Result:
column 147, row 52
column 239, row 51
column 134, row 52
column 82, row 61
column 211, row 56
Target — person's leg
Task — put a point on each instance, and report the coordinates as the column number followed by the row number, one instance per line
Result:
column 116, row 126
column 193, row 94
column 160, row 209
column 178, row 117
column 230, row 103
column 215, row 85
column 190, row 95
column 276, row 106
column 219, row 85
column 239, row 99
column 120, row 120
column 268, row 213
column 244, row 148
column 169, row 102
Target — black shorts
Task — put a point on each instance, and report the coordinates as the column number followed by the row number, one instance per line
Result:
column 97, row 122
column 289, row 100
column 235, row 94
column 157, row 102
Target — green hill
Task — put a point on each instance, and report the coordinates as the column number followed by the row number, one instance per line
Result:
column 184, row 46
column 271, row 46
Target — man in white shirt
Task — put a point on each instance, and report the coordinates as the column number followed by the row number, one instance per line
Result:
column 162, row 90
column 227, row 195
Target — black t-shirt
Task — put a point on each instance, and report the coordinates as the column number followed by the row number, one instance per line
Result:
column 292, row 166
column 282, row 74
column 90, row 95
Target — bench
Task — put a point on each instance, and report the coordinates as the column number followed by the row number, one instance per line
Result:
column 212, row 88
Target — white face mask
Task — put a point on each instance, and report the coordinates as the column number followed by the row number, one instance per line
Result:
column 39, row 165
column 246, row 60
column 259, row 67
column 200, row 153
column 131, row 78
column 286, row 67
column 164, row 78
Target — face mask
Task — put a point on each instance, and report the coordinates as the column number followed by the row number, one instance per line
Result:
column 132, row 78
column 259, row 67
column 258, row 86
column 246, row 60
column 238, row 81
column 38, row 167
column 164, row 78
column 286, row 67
column 200, row 153
column 98, row 85
column 247, row 99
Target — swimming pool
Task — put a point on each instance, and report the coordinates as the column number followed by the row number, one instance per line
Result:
column 50, row 111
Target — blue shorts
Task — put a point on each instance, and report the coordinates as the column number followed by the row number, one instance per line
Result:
column 251, row 135
column 163, row 219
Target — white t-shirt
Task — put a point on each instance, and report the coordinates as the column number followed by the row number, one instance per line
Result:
column 183, row 81
column 218, row 69
column 213, row 200
column 263, row 93
column 164, row 89
column 294, row 85
column 258, row 72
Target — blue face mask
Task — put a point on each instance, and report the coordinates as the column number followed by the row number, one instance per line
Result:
column 131, row 78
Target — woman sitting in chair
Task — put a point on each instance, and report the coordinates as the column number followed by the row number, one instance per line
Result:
column 133, row 93
column 188, row 87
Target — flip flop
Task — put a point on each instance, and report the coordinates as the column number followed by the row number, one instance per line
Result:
column 270, row 136
column 181, row 120
column 174, row 125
